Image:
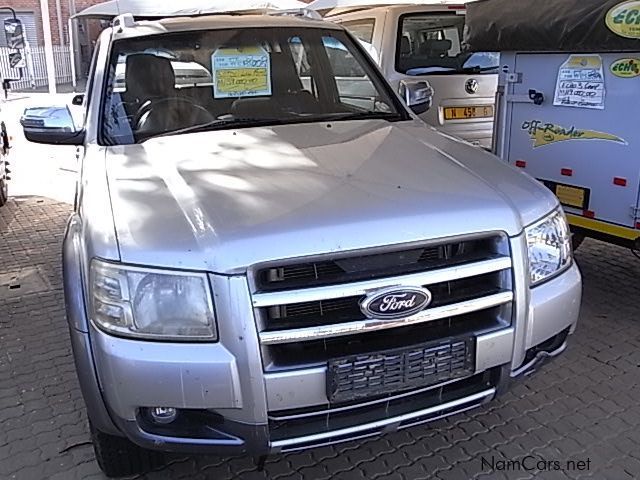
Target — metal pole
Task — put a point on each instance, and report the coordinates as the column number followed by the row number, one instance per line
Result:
column 48, row 46
column 73, row 41
column 60, row 27
column 72, row 54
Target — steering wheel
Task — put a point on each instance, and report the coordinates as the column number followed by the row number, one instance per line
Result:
column 186, row 108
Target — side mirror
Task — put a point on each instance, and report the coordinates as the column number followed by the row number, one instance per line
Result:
column 51, row 125
column 78, row 99
column 418, row 95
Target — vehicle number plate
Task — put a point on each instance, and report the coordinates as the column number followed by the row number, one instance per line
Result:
column 464, row 113
column 569, row 195
column 392, row 371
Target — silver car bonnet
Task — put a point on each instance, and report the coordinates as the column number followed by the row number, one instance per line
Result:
column 224, row 200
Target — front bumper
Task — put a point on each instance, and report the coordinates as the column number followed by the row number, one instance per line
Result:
column 226, row 385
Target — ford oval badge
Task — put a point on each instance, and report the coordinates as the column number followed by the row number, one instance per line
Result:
column 395, row 302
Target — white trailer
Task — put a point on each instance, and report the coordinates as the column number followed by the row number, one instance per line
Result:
column 567, row 103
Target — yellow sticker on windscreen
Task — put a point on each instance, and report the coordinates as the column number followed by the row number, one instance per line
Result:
column 241, row 72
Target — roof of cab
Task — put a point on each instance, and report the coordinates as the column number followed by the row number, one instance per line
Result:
column 125, row 29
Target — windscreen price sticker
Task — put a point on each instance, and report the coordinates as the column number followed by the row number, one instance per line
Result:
column 241, row 72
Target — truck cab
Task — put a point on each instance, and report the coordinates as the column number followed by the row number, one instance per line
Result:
column 424, row 42
column 268, row 258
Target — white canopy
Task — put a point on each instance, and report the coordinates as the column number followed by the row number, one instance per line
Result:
column 171, row 8
column 343, row 5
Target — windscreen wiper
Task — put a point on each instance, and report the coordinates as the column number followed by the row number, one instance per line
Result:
column 454, row 71
column 215, row 124
column 343, row 116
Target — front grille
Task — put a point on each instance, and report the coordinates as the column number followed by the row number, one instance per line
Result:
column 308, row 312
column 332, row 311
column 360, row 267
column 319, row 352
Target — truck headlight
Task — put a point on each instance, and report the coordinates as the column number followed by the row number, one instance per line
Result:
column 153, row 304
column 549, row 245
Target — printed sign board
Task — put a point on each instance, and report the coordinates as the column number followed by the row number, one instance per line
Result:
column 16, row 60
column 14, row 33
column 241, row 72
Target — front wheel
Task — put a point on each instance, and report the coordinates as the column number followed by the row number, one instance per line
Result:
column 119, row 457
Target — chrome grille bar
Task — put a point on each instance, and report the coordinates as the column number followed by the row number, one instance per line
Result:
column 360, row 288
column 380, row 424
column 363, row 326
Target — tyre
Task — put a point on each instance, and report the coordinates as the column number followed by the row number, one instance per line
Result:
column 119, row 457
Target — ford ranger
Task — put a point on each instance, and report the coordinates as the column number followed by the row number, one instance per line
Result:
column 279, row 254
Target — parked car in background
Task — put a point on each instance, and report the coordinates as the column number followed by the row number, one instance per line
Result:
column 280, row 260
column 424, row 43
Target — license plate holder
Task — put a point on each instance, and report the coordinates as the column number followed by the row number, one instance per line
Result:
column 468, row 113
column 356, row 377
column 570, row 195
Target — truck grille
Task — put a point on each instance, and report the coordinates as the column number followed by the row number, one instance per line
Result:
column 308, row 312
column 354, row 268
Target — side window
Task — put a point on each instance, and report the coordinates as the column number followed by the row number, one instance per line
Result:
column 361, row 29
column 301, row 60
column 355, row 88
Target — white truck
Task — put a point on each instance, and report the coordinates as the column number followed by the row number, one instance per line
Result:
column 422, row 41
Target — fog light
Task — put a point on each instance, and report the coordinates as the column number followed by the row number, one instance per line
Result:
column 163, row 415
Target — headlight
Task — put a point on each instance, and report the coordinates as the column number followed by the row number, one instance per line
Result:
column 153, row 304
column 549, row 245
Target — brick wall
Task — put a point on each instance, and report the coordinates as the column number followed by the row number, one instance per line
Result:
column 33, row 6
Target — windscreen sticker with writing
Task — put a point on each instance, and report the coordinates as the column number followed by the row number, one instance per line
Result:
column 241, row 72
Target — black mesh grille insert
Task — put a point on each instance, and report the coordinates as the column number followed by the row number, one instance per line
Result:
column 344, row 269
column 394, row 371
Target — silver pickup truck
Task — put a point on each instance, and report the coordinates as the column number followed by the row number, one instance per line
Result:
column 262, row 260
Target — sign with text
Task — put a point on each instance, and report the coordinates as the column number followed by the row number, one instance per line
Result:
column 241, row 72
column 16, row 60
column 14, row 33
column 580, row 83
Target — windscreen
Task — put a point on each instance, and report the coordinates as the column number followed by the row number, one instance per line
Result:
column 432, row 44
column 191, row 81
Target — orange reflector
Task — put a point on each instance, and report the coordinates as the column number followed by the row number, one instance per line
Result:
column 589, row 213
column 521, row 164
column 621, row 182
column 567, row 172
